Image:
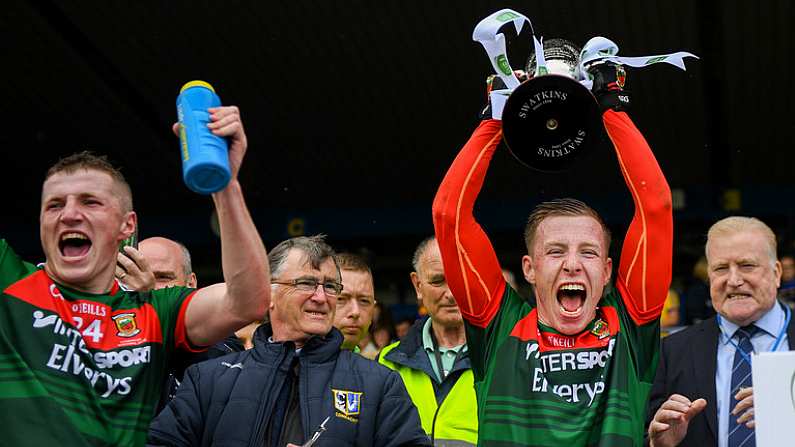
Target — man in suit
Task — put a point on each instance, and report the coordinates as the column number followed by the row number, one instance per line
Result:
column 702, row 393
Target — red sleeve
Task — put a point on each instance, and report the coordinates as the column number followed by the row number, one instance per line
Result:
column 470, row 263
column 181, row 340
column 644, row 272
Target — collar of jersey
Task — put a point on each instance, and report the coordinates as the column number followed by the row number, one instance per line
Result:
column 584, row 339
column 549, row 329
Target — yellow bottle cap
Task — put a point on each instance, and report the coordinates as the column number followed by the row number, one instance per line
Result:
column 197, row 84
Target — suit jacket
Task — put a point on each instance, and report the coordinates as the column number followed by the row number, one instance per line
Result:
column 688, row 360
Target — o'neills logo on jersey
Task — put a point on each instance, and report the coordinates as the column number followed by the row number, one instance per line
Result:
column 96, row 309
column 126, row 325
column 558, row 341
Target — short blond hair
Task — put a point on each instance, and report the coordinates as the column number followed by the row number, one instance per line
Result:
column 87, row 160
column 740, row 224
column 561, row 207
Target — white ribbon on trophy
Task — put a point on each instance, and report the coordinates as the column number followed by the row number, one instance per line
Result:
column 596, row 50
column 601, row 49
column 487, row 32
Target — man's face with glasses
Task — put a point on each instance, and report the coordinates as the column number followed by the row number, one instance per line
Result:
column 303, row 299
column 355, row 306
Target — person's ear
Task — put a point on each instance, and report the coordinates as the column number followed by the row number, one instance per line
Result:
column 528, row 269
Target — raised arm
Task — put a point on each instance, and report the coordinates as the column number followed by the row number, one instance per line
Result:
column 218, row 310
column 644, row 273
column 470, row 263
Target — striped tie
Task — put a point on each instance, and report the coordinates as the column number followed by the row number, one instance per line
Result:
column 739, row 434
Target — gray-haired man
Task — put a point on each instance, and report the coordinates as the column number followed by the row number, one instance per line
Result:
column 295, row 379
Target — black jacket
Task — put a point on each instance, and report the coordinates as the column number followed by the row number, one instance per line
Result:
column 225, row 401
column 688, row 361
column 184, row 359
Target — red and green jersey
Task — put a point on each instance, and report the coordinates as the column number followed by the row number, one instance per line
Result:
column 79, row 369
column 538, row 387
column 535, row 386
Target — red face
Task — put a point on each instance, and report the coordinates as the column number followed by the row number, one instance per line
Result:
column 81, row 224
column 569, row 269
column 744, row 276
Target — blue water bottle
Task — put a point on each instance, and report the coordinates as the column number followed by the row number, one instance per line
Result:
column 205, row 157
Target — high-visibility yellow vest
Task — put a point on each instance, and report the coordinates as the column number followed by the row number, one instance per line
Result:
column 457, row 419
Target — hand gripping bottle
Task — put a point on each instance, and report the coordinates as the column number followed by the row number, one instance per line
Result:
column 205, row 156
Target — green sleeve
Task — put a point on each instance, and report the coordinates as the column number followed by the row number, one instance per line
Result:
column 12, row 269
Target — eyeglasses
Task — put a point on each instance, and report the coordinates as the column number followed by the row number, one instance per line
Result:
column 309, row 285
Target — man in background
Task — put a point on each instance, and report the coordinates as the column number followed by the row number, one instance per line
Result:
column 157, row 263
column 433, row 359
column 356, row 302
column 254, row 397
column 702, row 393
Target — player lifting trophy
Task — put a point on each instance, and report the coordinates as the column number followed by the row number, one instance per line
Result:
column 575, row 368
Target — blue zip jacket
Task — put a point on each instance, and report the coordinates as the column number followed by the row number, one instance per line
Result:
column 226, row 401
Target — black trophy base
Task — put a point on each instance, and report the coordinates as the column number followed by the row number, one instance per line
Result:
column 550, row 121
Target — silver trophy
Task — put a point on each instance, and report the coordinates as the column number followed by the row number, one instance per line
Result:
column 551, row 119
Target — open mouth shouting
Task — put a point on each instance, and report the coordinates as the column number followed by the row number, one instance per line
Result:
column 571, row 299
column 74, row 245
